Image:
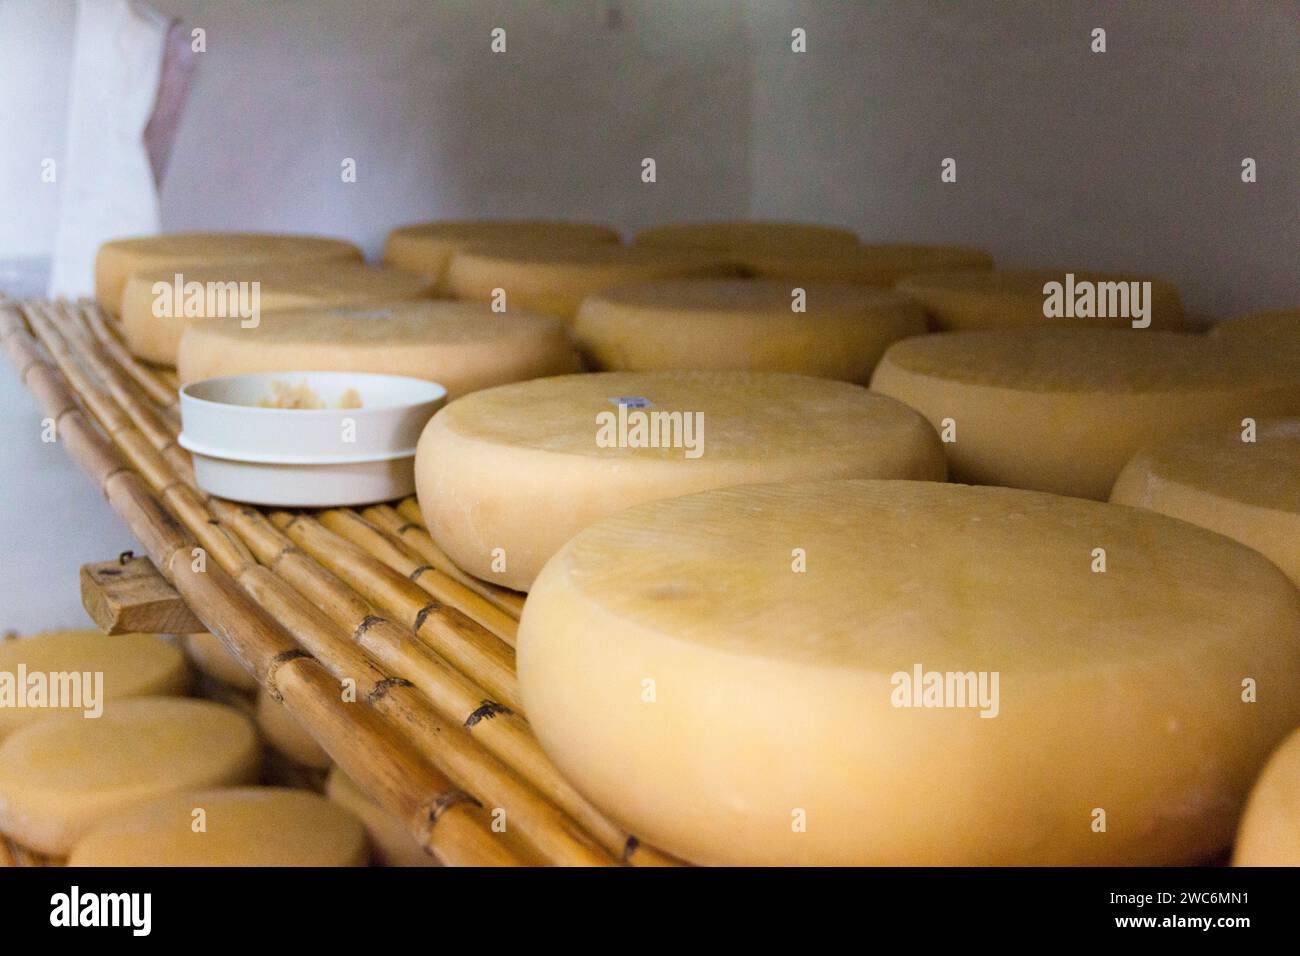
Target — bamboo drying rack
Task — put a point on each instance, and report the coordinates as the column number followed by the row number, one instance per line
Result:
column 399, row 664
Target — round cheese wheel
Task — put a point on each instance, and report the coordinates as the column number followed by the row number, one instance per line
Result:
column 462, row 347
column 178, row 251
column 61, row 777
column 1064, row 409
column 740, row 237
column 427, row 248
column 1272, row 326
column 1269, row 834
column 155, row 312
column 555, row 278
column 391, row 842
column 881, row 264
column 506, row 476
column 975, row 299
column 244, row 826
column 73, row 672
column 209, row 654
column 1248, row 490
column 943, row 681
column 743, row 324
column 281, row 730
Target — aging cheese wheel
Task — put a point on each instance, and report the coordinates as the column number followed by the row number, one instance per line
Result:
column 458, row 345
column 156, row 309
column 881, row 264
column 1064, row 409
column 1269, row 834
column 1273, row 326
column 1248, row 490
column 943, row 681
column 975, row 299
column 61, row 777
column 427, row 248
column 740, row 238
column 506, row 476
column 209, row 654
column 391, row 842
column 244, row 826
column 551, row 278
column 83, row 671
column 282, row 731
column 841, row 331
column 178, row 251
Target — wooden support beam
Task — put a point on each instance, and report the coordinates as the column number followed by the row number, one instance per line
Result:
column 128, row 594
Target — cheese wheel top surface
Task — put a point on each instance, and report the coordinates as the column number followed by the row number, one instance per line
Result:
column 740, row 237
column 245, row 826
column 427, row 247
column 881, row 264
column 1269, row 834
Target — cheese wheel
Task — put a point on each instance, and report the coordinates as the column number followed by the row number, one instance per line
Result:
column 743, row 324
column 1269, row 834
column 462, row 347
column 427, row 248
column 209, row 654
column 244, row 826
column 554, row 279
column 740, row 238
column 1249, row 491
column 506, row 476
column 1272, row 326
column 975, row 299
column 391, row 842
column 881, row 264
column 281, row 730
column 83, row 670
column 1065, row 409
column 152, row 323
column 178, row 251
column 731, row 708
column 61, row 777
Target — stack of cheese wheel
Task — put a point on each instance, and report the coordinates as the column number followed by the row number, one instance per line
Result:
column 178, row 251
column 209, row 654
column 281, row 730
column 945, row 681
column 391, row 842
column 427, row 248
column 62, row 776
column 102, row 669
column 244, row 826
column 152, row 321
column 974, row 299
column 738, row 239
column 462, row 347
column 506, row 476
column 877, row 264
column 555, row 278
column 840, row 331
column 1269, row 834
column 1063, row 410
column 1242, row 482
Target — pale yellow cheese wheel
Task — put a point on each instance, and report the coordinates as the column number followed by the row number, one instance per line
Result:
column 178, row 251
column 554, row 278
column 506, row 476
column 1269, row 834
column 282, row 731
column 427, row 248
column 209, row 654
column 93, row 668
column 1064, row 410
column 461, row 346
column 876, row 264
column 731, row 709
column 984, row 299
column 737, row 237
column 1248, row 490
column 281, row 286
column 743, row 324
column 243, row 826
column 61, row 777
column 1276, row 326
column 391, row 842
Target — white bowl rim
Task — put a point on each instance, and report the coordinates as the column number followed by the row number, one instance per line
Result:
column 437, row 392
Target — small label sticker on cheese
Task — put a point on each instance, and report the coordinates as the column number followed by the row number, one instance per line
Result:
column 632, row 401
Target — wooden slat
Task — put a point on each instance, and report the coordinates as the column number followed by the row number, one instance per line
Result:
column 129, row 595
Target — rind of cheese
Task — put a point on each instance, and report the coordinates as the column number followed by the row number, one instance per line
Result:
column 282, row 731
column 281, row 286
column 61, row 777
column 738, row 237
column 427, row 248
column 209, row 654
column 1270, row 326
column 1269, row 834
column 177, row 251
column 555, row 278
column 876, row 264
column 461, row 346
column 244, row 826
column 743, row 324
column 129, row 665
column 973, row 299
column 510, row 474
column 1064, row 410
column 1247, row 490
column 391, row 842
column 731, row 709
